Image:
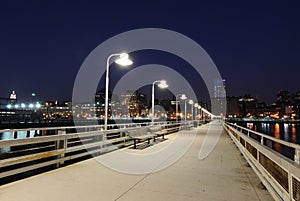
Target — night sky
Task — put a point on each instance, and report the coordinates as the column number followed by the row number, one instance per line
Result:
column 255, row 45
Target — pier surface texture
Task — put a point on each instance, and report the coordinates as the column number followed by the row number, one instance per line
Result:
column 223, row 175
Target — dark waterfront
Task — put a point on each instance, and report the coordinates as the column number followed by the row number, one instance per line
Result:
column 36, row 127
column 289, row 132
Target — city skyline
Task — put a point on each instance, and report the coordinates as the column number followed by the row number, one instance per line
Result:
column 164, row 95
column 254, row 45
column 133, row 104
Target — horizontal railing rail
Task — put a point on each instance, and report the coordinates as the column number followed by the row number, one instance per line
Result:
column 44, row 131
column 28, row 154
column 269, row 141
column 279, row 174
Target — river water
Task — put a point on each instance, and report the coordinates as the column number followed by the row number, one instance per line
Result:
column 289, row 132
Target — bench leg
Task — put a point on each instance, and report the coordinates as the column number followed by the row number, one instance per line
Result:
column 154, row 138
column 134, row 143
column 148, row 140
column 163, row 136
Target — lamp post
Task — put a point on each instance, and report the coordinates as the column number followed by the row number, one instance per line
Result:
column 196, row 111
column 191, row 102
column 200, row 112
column 185, row 109
column 183, row 97
column 162, row 84
column 123, row 60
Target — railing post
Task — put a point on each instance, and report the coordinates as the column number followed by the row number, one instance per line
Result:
column 99, row 138
column 28, row 133
column 61, row 144
column 290, row 182
column 104, row 138
column 15, row 134
column 297, row 156
column 262, row 140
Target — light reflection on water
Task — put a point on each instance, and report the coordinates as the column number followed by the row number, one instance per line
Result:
column 294, row 133
column 20, row 135
column 277, row 145
column 285, row 131
column 10, row 136
column 289, row 132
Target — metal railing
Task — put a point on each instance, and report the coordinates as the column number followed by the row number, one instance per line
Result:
column 66, row 145
column 279, row 174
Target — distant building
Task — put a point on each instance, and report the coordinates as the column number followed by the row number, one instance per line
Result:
column 170, row 109
column 134, row 104
column 218, row 101
column 219, row 89
column 283, row 96
column 100, row 102
column 53, row 110
column 248, row 105
column 233, row 107
column 284, row 100
column 13, row 97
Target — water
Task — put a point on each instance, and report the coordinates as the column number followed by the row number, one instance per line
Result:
column 289, row 132
column 20, row 135
column 10, row 135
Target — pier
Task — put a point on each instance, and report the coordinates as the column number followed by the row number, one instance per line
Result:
column 225, row 174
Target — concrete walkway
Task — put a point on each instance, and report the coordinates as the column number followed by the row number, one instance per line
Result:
column 223, row 175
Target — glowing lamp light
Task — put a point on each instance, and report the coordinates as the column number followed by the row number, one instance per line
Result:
column 183, row 97
column 30, row 105
column 16, row 106
column 9, row 106
column 163, row 84
column 23, row 105
column 38, row 105
column 124, row 60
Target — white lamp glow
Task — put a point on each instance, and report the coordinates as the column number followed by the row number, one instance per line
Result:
column 124, row 60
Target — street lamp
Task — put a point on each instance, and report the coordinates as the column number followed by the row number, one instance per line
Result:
column 123, row 60
column 191, row 102
column 185, row 109
column 162, row 84
column 196, row 111
column 200, row 112
column 183, row 97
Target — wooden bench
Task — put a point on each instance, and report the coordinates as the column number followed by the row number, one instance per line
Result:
column 171, row 130
column 188, row 126
column 141, row 134
column 158, row 131
column 148, row 133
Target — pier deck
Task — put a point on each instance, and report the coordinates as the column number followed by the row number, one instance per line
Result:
column 223, row 175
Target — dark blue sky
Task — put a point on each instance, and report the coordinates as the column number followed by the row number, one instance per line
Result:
column 255, row 45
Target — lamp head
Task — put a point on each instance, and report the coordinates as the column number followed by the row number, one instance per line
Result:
column 183, row 97
column 124, row 60
column 163, row 84
column 191, row 102
column 196, row 105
